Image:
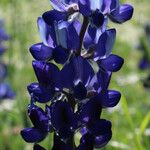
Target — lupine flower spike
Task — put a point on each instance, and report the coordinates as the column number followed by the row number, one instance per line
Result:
column 5, row 89
column 144, row 46
column 73, row 65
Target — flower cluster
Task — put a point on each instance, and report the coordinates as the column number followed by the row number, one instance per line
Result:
column 5, row 89
column 73, row 65
column 144, row 46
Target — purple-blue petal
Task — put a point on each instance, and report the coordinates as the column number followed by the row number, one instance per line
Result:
column 84, row 7
column 109, row 5
column 122, row 14
column 95, row 4
column 60, row 55
column 46, row 73
column 102, row 140
column 62, row 116
column 77, row 24
column 86, row 142
column 105, row 44
column 65, row 133
column 67, row 35
column 32, row 135
column 144, row 63
column 111, row 63
column 39, row 93
column 79, row 91
column 52, row 16
column 89, row 38
column 47, row 33
column 100, row 127
column 41, row 52
column 97, row 18
column 111, row 98
column 78, row 69
column 90, row 111
column 39, row 118
column 101, row 130
column 73, row 37
column 102, row 80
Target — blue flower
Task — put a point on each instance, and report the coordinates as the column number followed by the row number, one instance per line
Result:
column 63, row 119
column 105, row 44
column 97, row 136
column 3, row 35
column 76, row 74
column 3, row 71
column 118, row 13
column 6, row 91
column 41, row 125
column 47, row 75
column 112, row 63
column 2, row 49
column 58, row 40
column 144, row 63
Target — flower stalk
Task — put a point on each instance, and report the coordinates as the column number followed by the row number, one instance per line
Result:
column 78, row 91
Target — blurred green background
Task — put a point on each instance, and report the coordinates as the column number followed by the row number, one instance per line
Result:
column 130, row 119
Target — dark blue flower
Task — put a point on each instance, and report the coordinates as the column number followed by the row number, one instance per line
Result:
column 101, row 131
column 77, row 69
column 108, row 98
column 47, row 75
column 118, row 13
column 79, row 91
column 38, row 118
column 63, row 119
column 58, row 41
column 111, row 63
column 41, row 125
column 92, row 9
column 89, row 111
column 105, row 44
column 144, row 63
column 32, row 135
column 98, row 135
column 76, row 74
column 100, row 81
column 41, row 52
column 86, row 142
column 122, row 13
column 87, row 7
column 97, row 18
column 53, row 16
